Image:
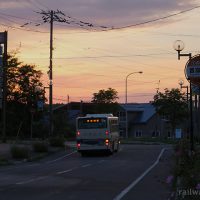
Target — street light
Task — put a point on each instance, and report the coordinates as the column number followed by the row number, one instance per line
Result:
column 181, row 83
column 179, row 46
column 140, row 72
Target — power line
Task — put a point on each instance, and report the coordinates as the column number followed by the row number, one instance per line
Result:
column 107, row 56
column 42, row 4
column 105, row 28
column 156, row 19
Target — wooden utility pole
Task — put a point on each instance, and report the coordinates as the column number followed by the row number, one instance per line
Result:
column 5, row 64
column 51, row 78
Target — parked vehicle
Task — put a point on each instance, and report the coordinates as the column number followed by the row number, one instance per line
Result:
column 97, row 132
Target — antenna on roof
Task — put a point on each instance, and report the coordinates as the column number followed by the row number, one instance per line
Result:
column 158, row 88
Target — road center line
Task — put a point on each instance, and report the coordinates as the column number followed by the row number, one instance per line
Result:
column 134, row 183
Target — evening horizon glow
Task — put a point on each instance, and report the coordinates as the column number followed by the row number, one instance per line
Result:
column 88, row 59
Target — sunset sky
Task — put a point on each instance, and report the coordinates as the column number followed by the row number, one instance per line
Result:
column 87, row 59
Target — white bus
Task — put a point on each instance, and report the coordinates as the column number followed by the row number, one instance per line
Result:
column 96, row 132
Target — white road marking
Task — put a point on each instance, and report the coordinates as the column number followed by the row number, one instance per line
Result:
column 134, row 183
column 37, row 164
column 31, row 180
column 87, row 165
column 101, row 161
column 62, row 172
column 60, row 158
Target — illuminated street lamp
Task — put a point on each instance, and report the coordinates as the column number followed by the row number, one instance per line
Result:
column 179, row 46
column 140, row 72
column 181, row 83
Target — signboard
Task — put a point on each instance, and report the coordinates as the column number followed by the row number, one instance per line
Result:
column 196, row 89
column 192, row 70
column 40, row 105
column 2, row 37
column 178, row 133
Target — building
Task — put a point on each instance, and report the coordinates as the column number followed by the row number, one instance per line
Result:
column 143, row 121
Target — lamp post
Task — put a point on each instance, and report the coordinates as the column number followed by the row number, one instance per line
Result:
column 179, row 46
column 139, row 72
column 181, row 83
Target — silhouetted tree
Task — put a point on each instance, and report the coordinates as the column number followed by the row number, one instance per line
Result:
column 172, row 104
column 22, row 94
column 105, row 96
column 105, row 101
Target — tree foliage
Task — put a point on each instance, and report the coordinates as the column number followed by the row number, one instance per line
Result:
column 105, row 96
column 105, row 101
column 23, row 81
column 172, row 104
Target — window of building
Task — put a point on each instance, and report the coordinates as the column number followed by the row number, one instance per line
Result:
column 155, row 133
column 169, row 135
column 138, row 133
column 122, row 116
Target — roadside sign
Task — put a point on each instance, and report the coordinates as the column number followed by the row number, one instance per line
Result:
column 178, row 133
column 40, row 105
column 192, row 70
column 2, row 37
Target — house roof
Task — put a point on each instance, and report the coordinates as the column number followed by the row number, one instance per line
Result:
column 145, row 110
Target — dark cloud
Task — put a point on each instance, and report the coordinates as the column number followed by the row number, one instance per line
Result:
column 106, row 12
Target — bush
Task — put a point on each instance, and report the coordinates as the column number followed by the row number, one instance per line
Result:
column 40, row 147
column 57, row 141
column 20, row 152
column 3, row 160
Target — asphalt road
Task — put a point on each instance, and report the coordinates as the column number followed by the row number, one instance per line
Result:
column 135, row 172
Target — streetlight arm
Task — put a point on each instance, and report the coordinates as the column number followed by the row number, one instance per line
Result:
column 140, row 72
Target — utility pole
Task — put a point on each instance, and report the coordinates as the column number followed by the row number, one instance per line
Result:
column 50, row 17
column 4, row 40
column 51, row 78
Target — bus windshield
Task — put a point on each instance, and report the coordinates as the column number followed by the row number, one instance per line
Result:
column 92, row 123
